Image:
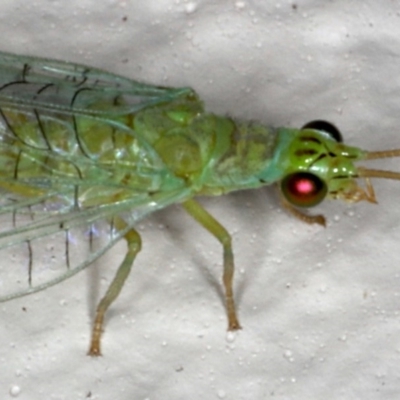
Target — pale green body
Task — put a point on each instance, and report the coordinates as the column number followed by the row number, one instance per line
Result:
column 79, row 145
column 154, row 152
column 89, row 138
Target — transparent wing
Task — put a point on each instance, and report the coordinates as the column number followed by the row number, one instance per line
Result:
column 68, row 165
column 41, row 247
column 73, row 88
column 55, row 96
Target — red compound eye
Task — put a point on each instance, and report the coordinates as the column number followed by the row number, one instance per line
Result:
column 303, row 189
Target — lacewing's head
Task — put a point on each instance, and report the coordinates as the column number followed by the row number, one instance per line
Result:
column 320, row 166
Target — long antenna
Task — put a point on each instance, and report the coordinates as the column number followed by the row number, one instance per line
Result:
column 374, row 155
column 379, row 173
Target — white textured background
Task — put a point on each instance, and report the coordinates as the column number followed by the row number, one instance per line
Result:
column 320, row 308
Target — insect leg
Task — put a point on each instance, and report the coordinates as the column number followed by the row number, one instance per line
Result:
column 216, row 229
column 134, row 243
column 307, row 218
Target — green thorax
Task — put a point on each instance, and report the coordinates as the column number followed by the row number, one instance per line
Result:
column 212, row 154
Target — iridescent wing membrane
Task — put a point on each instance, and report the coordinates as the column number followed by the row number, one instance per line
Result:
column 62, row 129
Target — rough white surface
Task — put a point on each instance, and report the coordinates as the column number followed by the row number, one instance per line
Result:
column 320, row 308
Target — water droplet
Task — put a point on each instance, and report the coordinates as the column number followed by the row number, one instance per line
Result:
column 15, row 390
column 240, row 5
column 190, row 7
column 230, row 336
column 288, row 354
column 221, row 394
column 63, row 303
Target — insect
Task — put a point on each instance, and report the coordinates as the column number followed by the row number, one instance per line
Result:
column 79, row 145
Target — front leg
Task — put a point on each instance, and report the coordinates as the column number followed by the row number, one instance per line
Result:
column 220, row 233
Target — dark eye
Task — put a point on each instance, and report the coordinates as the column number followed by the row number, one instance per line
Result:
column 303, row 189
column 326, row 127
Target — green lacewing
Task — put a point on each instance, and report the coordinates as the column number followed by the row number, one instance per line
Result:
column 84, row 152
